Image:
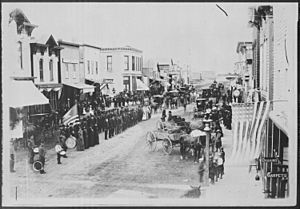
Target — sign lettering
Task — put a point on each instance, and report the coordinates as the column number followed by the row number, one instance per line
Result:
column 270, row 160
column 277, row 175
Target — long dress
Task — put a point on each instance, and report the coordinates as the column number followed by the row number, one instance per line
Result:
column 96, row 134
column 86, row 139
column 80, row 144
column 91, row 136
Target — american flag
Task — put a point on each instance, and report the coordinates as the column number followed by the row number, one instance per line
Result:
column 248, row 125
column 71, row 116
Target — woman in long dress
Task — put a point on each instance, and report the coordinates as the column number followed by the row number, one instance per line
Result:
column 80, row 144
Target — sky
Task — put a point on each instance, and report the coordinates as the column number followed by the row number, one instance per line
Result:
column 199, row 35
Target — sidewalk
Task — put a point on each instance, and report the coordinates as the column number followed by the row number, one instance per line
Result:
column 238, row 187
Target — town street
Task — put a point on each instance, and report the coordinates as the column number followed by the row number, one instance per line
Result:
column 120, row 164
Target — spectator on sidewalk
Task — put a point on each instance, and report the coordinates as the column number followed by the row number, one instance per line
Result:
column 31, row 146
column 42, row 157
column 79, row 139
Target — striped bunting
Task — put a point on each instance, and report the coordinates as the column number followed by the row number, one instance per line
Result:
column 248, row 125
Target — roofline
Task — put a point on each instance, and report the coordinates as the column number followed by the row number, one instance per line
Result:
column 67, row 43
column 88, row 45
column 121, row 49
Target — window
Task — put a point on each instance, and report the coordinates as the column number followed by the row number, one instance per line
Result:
column 88, row 66
column 133, row 63
column 41, row 70
column 20, row 54
column 97, row 68
column 109, row 63
column 126, row 82
column 67, row 71
column 126, row 62
column 92, row 63
column 51, row 70
column 74, row 71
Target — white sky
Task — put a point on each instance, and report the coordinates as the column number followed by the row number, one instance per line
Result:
column 198, row 34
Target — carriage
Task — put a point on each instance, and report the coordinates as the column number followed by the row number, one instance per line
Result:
column 171, row 137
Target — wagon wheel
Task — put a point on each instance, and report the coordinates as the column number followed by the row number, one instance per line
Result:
column 167, row 146
column 151, row 141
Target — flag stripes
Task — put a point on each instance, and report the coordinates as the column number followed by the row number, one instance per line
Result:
column 248, row 120
column 71, row 116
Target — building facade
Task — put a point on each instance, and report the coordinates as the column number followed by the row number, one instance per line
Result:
column 276, row 76
column 90, row 63
column 71, row 75
column 121, row 67
column 44, row 67
column 244, row 66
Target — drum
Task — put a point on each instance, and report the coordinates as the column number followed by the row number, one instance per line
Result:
column 37, row 165
column 62, row 153
column 36, row 150
column 71, row 142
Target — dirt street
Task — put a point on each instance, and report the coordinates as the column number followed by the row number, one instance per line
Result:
column 119, row 167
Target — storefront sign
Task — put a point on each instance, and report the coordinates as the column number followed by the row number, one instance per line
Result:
column 277, row 175
column 270, row 160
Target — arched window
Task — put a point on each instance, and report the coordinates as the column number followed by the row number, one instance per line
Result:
column 41, row 70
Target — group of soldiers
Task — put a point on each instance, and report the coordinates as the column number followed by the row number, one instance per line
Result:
column 111, row 122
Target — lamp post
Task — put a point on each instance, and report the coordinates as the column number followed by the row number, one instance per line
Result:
column 207, row 130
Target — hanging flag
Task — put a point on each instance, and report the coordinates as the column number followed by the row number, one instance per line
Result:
column 248, row 122
column 71, row 116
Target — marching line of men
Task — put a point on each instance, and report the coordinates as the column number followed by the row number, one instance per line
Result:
column 86, row 133
column 111, row 122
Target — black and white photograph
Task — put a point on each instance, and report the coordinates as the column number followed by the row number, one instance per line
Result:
column 149, row 104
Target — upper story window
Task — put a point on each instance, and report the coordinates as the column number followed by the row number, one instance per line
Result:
column 96, row 68
column 126, row 62
column 74, row 70
column 51, row 70
column 133, row 63
column 88, row 66
column 41, row 70
column 67, row 71
column 109, row 63
column 20, row 51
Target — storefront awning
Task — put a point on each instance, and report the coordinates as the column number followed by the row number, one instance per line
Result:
column 49, row 87
column 25, row 94
column 141, row 86
column 85, row 87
